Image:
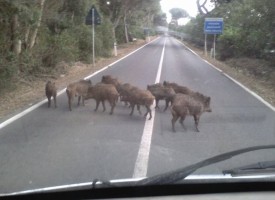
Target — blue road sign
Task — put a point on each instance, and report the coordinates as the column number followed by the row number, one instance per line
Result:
column 213, row 25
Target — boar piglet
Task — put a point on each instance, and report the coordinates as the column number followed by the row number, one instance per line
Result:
column 50, row 90
column 102, row 92
column 79, row 89
column 184, row 105
column 177, row 88
column 161, row 93
column 141, row 97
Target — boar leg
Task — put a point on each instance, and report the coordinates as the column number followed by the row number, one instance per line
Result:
column 174, row 119
column 97, row 104
column 113, row 104
column 54, row 98
column 148, row 111
column 49, row 101
column 166, row 105
column 103, row 105
column 133, row 107
column 157, row 104
column 182, row 118
column 78, row 102
column 197, row 118
column 138, row 108
column 70, row 99
column 83, row 99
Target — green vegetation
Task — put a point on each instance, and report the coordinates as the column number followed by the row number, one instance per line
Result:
column 35, row 35
column 248, row 29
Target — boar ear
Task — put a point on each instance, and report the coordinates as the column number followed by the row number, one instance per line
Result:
column 208, row 99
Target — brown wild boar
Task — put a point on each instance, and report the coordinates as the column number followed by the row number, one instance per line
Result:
column 79, row 89
column 50, row 90
column 102, row 92
column 125, row 90
column 141, row 97
column 108, row 79
column 161, row 93
column 177, row 88
column 184, row 105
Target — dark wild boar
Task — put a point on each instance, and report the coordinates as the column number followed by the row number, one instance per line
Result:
column 79, row 89
column 184, row 105
column 108, row 79
column 177, row 88
column 161, row 93
column 141, row 97
column 50, row 91
column 125, row 90
column 102, row 92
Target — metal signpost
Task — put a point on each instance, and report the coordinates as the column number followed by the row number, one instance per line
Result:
column 93, row 18
column 212, row 26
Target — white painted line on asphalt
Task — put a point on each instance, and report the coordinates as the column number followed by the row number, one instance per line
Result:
column 141, row 164
column 234, row 80
column 28, row 110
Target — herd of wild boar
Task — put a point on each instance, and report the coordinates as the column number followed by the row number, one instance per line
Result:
column 182, row 100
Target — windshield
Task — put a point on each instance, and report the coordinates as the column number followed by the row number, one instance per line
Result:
column 125, row 90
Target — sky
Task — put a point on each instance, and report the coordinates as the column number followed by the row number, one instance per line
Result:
column 189, row 5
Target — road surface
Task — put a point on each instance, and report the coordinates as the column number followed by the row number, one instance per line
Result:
column 51, row 147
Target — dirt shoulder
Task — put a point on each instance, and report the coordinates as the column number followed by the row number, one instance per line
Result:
column 29, row 93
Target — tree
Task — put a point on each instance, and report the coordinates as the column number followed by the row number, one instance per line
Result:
column 178, row 13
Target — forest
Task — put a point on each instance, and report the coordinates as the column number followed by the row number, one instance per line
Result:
column 35, row 35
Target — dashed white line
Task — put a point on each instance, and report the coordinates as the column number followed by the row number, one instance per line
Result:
column 141, row 164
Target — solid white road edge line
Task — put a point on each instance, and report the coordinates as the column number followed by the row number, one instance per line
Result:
column 234, row 80
column 141, row 164
column 28, row 110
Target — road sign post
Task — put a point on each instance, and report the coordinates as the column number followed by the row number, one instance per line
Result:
column 93, row 18
column 212, row 26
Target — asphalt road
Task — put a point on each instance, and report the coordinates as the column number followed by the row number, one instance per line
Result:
column 51, row 147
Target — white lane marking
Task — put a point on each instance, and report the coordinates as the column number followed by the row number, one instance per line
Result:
column 141, row 164
column 28, row 110
column 234, row 80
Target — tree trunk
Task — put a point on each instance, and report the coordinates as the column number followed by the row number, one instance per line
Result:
column 125, row 28
column 15, row 42
column 34, row 35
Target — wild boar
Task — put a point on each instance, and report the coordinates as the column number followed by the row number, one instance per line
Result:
column 125, row 90
column 102, row 92
column 79, row 89
column 177, row 88
column 161, row 93
column 141, row 97
column 184, row 105
column 108, row 79
column 50, row 90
